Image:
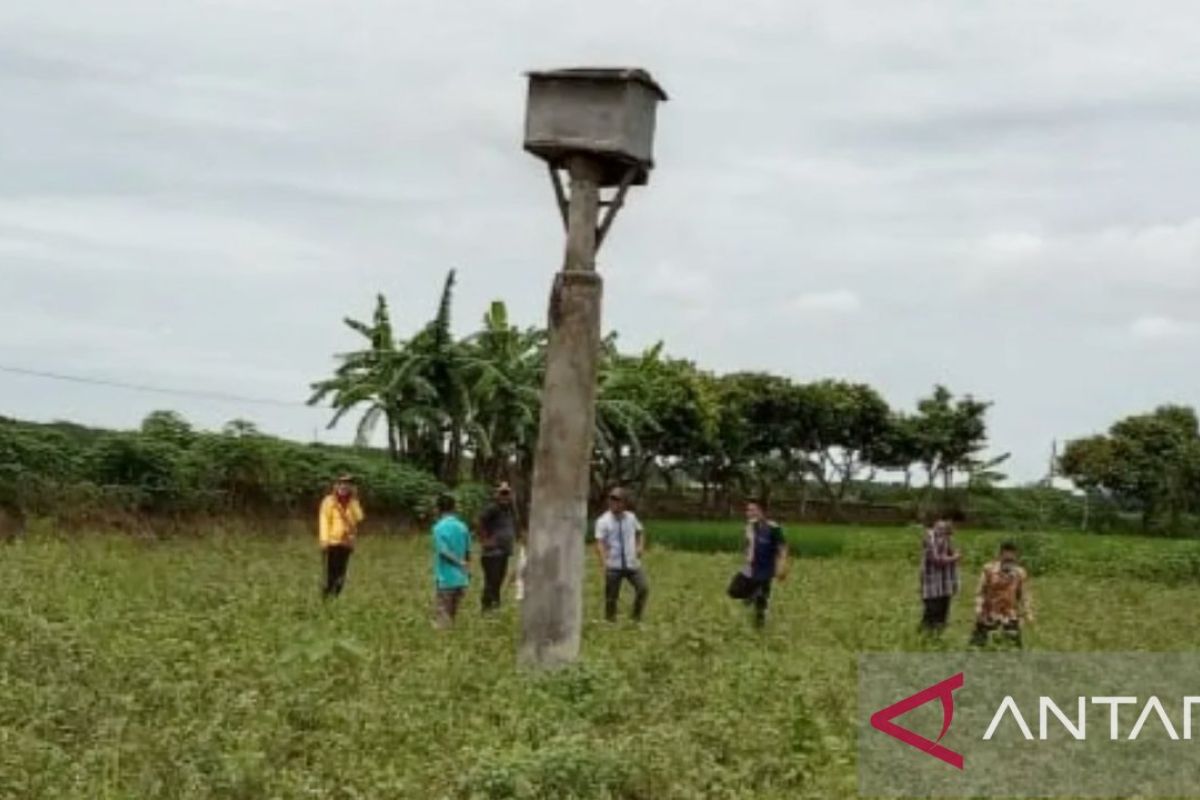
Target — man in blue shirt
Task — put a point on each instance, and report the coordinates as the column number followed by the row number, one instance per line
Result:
column 451, row 552
column 766, row 559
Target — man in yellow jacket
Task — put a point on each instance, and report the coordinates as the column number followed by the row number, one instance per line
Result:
column 338, row 520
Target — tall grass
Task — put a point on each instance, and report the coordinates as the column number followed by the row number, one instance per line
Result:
column 709, row 536
column 1171, row 561
column 208, row 668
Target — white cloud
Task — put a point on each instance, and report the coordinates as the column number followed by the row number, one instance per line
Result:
column 839, row 301
column 1157, row 329
column 76, row 229
column 1011, row 247
column 689, row 288
column 1160, row 255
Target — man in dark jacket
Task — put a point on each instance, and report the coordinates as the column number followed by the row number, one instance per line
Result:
column 497, row 533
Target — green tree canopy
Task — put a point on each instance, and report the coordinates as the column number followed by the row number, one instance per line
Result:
column 1149, row 462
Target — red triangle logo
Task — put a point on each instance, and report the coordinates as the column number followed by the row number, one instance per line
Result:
column 882, row 720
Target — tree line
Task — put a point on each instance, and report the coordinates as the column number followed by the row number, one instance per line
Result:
column 467, row 408
column 461, row 412
column 85, row 475
column 1147, row 463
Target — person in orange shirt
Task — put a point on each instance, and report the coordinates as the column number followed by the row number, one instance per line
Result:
column 338, row 521
column 1003, row 599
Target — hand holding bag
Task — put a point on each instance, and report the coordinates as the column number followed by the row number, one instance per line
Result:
column 740, row 586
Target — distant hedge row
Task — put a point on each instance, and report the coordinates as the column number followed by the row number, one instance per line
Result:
column 1172, row 562
column 1033, row 508
column 167, row 468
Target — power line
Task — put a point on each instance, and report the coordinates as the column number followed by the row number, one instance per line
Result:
column 139, row 387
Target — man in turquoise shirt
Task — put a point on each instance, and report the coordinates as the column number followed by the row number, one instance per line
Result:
column 451, row 552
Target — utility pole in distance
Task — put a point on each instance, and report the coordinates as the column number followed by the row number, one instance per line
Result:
column 597, row 125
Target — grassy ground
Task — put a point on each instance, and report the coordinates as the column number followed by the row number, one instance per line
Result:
column 208, row 668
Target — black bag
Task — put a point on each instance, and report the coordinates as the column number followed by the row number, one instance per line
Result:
column 740, row 586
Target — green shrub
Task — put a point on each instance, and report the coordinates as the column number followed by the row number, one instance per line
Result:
column 569, row 768
column 150, row 468
column 76, row 473
column 472, row 498
column 397, row 489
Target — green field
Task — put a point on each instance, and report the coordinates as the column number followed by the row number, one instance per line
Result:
column 197, row 668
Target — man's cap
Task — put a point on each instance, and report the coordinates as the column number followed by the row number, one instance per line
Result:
column 617, row 494
column 345, row 477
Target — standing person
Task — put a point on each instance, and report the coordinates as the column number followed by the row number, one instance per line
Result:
column 620, row 542
column 766, row 561
column 939, row 575
column 338, row 521
column 451, row 553
column 497, row 534
column 1003, row 598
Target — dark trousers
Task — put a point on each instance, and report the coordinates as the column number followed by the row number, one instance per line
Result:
column 1010, row 633
column 337, row 558
column 760, row 597
column 612, row 591
column 445, row 606
column 495, row 568
column 937, row 612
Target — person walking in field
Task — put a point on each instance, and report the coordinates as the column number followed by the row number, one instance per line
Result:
column 620, row 543
column 1003, row 598
column 939, row 576
column 497, row 535
column 451, row 554
column 766, row 561
column 337, row 521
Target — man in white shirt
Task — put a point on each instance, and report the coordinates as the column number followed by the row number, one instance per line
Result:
column 620, row 541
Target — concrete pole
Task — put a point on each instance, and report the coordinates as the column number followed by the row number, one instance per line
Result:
column 552, row 610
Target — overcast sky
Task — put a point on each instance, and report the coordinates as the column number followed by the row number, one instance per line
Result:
column 1000, row 196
